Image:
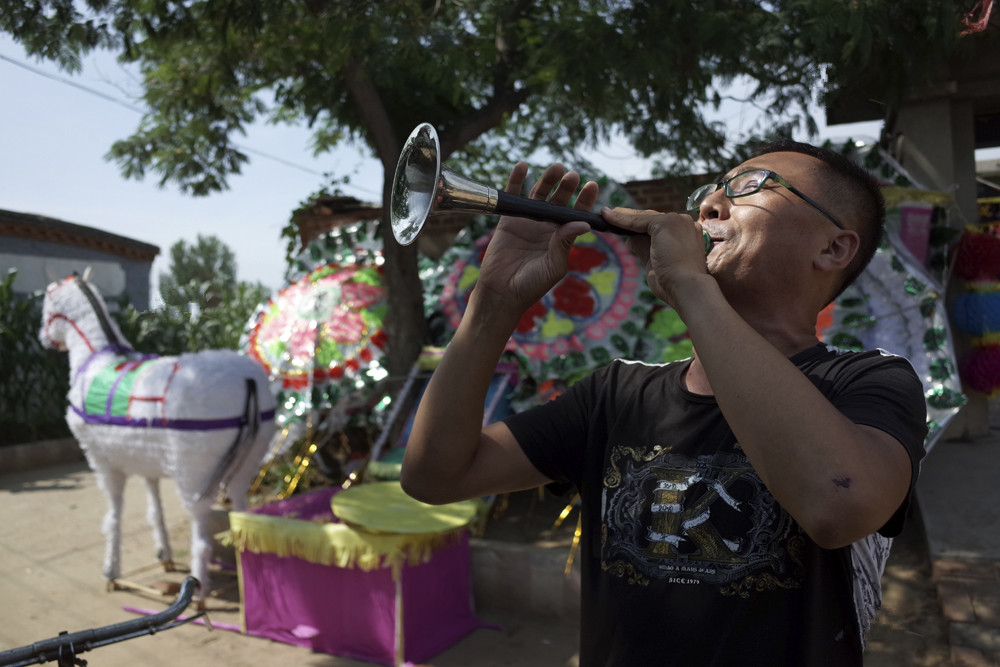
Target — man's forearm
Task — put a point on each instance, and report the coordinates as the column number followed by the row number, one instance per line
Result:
column 443, row 443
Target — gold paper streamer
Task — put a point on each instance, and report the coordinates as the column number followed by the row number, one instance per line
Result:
column 332, row 544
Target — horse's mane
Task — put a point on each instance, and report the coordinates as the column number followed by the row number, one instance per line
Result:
column 111, row 332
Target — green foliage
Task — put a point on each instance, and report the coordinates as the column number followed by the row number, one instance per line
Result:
column 556, row 75
column 165, row 331
column 171, row 330
column 205, row 307
column 33, row 381
column 201, row 274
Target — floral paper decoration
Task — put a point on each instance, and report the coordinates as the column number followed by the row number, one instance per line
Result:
column 588, row 318
column 897, row 306
column 323, row 330
column 976, row 311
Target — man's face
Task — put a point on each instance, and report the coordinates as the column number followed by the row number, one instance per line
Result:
column 764, row 243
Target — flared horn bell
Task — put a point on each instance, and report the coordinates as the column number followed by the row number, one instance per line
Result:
column 422, row 187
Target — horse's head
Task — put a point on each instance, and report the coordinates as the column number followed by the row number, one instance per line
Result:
column 55, row 321
column 73, row 314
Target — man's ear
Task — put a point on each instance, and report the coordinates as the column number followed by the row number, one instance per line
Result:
column 839, row 251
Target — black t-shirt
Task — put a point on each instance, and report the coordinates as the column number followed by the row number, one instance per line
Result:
column 686, row 558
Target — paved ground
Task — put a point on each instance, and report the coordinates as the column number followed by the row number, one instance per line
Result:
column 50, row 581
column 959, row 492
column 942, row 586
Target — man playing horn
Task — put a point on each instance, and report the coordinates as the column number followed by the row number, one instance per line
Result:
column 738, row 505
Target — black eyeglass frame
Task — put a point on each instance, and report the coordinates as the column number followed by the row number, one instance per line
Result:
column 698, row 196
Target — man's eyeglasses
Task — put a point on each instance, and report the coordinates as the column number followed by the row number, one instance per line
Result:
column 747, row 183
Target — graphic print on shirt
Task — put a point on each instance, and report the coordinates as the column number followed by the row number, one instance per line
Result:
column 708, row 520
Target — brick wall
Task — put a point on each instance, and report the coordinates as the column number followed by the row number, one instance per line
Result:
column 327, row 213
column 665, row 194
column 331, row 212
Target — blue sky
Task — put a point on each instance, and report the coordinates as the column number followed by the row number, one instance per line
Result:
column 53, row 138
column 54, row 135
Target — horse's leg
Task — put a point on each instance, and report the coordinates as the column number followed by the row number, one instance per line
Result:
column 238, row 487
column 154, row 514
column 201, row 546
column 112, row 481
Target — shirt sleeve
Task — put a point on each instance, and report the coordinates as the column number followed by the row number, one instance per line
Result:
column 554, row 434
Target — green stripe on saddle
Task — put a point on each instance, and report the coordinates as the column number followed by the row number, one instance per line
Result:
column 114, row 380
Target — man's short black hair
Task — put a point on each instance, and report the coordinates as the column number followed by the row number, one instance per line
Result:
column 852, row 189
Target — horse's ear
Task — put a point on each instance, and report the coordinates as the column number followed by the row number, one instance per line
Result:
column 86, row 274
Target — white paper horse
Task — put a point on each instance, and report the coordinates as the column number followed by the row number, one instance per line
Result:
column 203, row 420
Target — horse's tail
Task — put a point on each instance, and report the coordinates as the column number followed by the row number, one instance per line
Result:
column 237, row 452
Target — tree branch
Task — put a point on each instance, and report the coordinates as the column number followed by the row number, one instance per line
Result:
column 479, row 122
column 367, row 99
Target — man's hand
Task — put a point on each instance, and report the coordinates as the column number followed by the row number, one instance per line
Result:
column 671, row 247
column 526, row 258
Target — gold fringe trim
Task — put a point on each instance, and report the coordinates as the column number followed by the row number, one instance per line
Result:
column 986, row 340
column 982, row 286
column 334, row 544
column 894, row 196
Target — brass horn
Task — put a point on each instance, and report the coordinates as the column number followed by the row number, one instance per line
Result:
column 422, row 187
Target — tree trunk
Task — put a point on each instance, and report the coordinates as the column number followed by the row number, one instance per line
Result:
column 405, row 323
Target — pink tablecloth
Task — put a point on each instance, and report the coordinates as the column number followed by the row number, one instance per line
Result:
column 351, row 612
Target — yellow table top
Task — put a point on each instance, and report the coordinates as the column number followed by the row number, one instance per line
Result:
column 381, row 527
column 383, row 507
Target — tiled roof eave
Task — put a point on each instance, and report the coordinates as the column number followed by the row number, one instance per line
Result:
column 41, row 228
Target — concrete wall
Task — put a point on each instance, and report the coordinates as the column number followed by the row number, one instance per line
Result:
column 44, row 249
column 937, row 148
column 112, row 275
